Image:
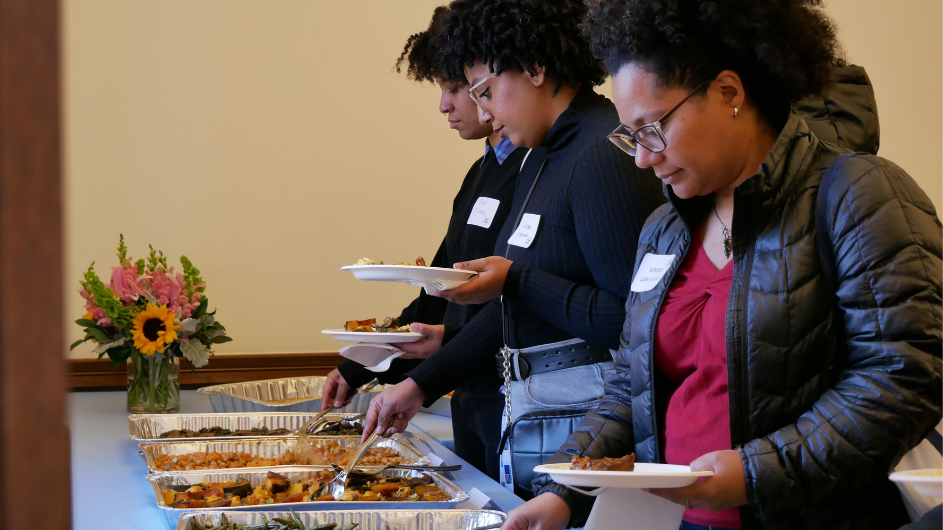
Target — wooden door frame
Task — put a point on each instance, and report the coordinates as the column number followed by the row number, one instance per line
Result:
column 34, row 439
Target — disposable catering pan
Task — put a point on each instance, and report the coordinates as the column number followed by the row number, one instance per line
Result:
column 288, row 394
column 149, row 427
column 366, row 519
column 269, row 448
column 256, row 476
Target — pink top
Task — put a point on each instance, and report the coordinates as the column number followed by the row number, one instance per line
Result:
column 691, row 350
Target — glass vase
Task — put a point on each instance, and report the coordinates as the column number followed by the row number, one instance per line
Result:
column 153, row 384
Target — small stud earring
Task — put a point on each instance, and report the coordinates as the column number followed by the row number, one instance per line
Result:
column 736, row 112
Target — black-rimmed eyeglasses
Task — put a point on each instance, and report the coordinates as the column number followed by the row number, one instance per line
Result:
column 649, row 136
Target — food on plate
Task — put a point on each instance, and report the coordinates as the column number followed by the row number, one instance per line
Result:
column 626, row 463
column 278, row 489
column 219, row 432
column 324, row 454
column 389, row 325
column 367, row 261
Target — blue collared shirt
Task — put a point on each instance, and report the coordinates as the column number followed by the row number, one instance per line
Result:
column 505, row 148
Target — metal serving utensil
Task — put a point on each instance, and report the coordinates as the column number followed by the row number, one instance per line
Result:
column 344, row 473
column 312, row 425
column 320, row 426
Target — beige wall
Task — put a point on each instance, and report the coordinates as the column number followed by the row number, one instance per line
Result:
column 272, row 143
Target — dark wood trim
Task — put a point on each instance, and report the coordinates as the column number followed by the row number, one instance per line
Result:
column 32, row 370
column 92, row 374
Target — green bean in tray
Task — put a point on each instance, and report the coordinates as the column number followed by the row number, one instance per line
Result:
column 292, row 522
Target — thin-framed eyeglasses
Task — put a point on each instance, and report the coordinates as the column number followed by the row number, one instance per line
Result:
column 473, row 91
column 649, row 136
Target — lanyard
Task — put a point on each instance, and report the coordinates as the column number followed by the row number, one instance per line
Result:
column 505, row 351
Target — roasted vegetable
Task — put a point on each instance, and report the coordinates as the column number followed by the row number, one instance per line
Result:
column 275, row 483
column 241, row 489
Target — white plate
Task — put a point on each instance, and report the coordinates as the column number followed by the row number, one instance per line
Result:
column 644, row 476
column 366, row 336
column 418, row 276
column 926, row 481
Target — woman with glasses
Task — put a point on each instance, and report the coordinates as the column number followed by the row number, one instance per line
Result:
column 797, row 391
column 478, row 212
column 563, row 261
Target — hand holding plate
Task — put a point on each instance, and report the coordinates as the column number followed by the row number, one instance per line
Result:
column 726, row 489
column 426, row 346
column 488, row 285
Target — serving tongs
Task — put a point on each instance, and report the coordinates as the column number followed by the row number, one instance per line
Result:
column 344, row 473
column 316, row 424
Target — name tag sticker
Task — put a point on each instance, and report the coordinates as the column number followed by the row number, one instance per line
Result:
column 651, row 271
column 482, row 213
column 526, row 231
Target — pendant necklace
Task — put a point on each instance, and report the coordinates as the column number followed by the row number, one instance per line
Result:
column 727, row 244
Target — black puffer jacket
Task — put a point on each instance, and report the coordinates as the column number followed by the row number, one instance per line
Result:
column 825, row 397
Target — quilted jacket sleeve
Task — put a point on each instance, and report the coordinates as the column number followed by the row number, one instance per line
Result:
column 887, row 243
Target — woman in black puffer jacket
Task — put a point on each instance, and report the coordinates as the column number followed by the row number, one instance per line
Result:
column 799, row 401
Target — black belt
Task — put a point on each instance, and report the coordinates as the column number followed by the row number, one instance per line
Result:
column 554, row 358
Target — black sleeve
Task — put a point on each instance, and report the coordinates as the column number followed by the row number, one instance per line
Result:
column 464, row 357
column 427, row 309
column 610, row 198
column 357, row 375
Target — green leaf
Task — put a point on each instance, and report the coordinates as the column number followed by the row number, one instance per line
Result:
column 86, row 323
column 195, row 352
column 201, row 309
column 119, row 355
column 76, row 343
column 105, row 346
column 221, row 339
column 98, row 334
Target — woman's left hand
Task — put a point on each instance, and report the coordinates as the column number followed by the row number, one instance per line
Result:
column 492, row 271
column 726, row 489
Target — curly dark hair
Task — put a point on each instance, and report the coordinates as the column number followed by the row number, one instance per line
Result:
column 520, row 34
column 423, row 53
column 781, row 49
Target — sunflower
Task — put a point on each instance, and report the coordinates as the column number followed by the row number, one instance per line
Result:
column 154, row 329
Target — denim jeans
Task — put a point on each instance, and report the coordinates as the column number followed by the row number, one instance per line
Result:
column 579, row 388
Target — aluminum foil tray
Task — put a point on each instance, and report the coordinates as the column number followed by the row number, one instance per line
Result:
column 256, row 396
column 257, row 476
column 367, row 519
column 148, row 427
column 268, row 447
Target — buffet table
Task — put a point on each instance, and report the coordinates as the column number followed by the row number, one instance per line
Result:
column 109, row 489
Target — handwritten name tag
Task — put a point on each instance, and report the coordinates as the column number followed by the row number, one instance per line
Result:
column 482, row 213
column 526, row 231
column 651, row 271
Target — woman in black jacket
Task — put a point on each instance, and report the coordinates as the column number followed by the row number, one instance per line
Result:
column 805, row 395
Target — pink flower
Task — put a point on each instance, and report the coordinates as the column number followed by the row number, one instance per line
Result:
column 124, row 282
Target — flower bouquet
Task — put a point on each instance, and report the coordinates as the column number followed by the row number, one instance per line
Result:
column 148, row 316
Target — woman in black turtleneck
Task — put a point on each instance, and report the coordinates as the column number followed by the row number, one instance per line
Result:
column 564, row 284
column 489, row 183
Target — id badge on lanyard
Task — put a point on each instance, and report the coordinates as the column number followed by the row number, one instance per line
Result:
column 506, row 470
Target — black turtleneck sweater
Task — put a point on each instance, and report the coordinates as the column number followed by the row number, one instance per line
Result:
column 462, row 242
column 573, row 280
